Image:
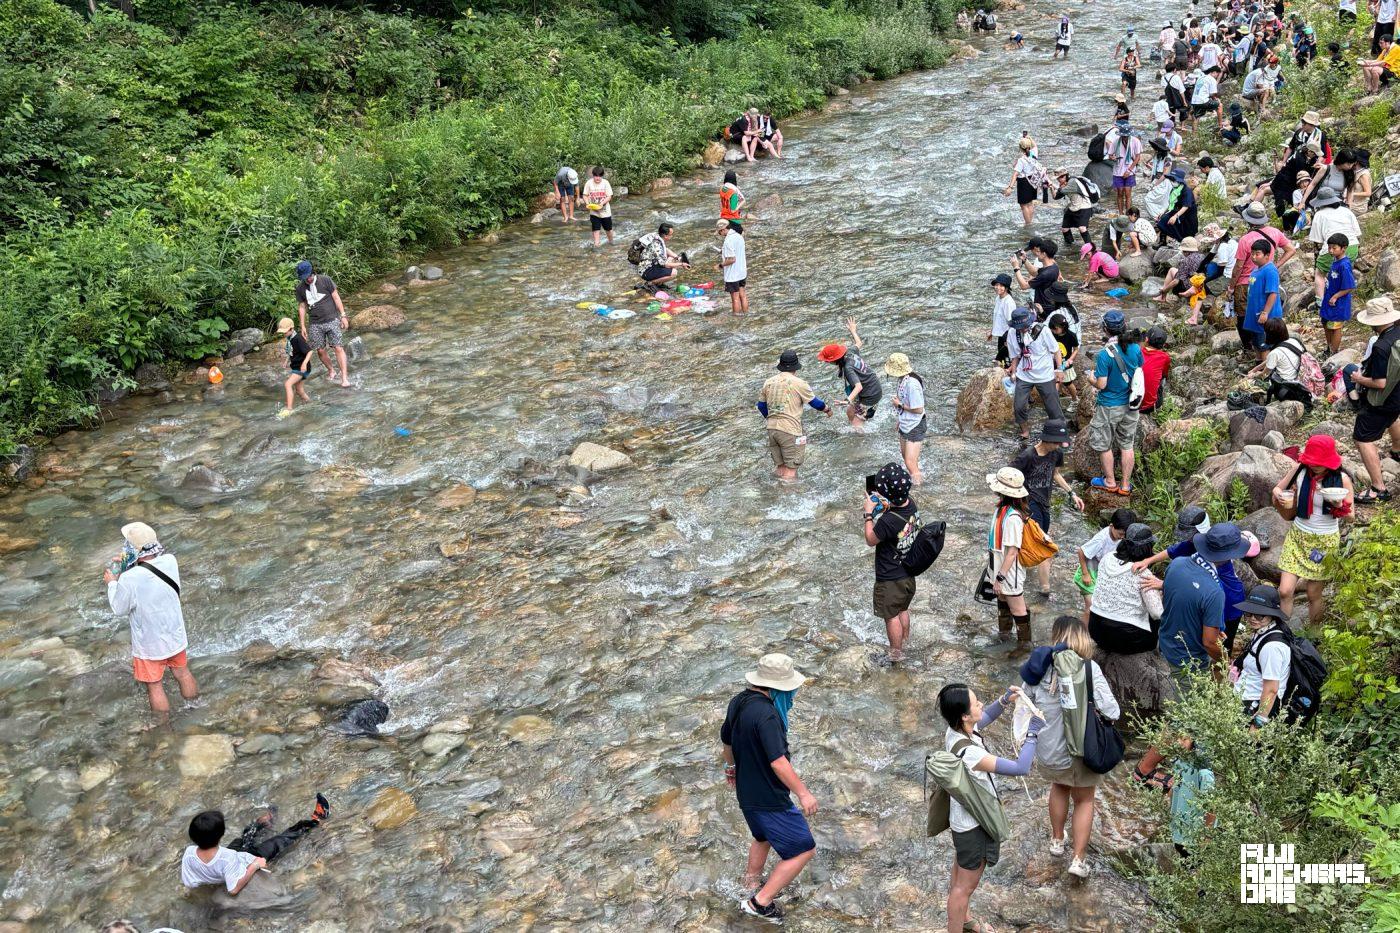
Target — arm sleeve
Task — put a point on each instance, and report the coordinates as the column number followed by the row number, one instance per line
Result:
column 1022, row 765
column 119, row 597
column 817, row 403
column 1104, row 700
column 990, row 713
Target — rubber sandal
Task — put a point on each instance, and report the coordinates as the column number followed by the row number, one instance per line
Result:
column 1371, row 497
column 1124, row 492
column 1098, row 483
column 1159, row 779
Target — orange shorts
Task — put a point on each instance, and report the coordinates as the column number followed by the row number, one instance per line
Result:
column 151, row 672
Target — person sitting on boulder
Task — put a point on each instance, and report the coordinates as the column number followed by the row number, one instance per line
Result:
column 1178, row 280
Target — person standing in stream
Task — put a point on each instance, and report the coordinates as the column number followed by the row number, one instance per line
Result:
column 912, row 420
column 863, row 391
column 318, row 295
column 783, row 398
column 1040, row 466
column 597, row 197
column 891, row 525
column 759, row 769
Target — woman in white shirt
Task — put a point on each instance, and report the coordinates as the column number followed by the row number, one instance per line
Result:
column 1315, row 497
column 144, row 585
column 1123, row 616
column 1027, row 178
column 1260, row 674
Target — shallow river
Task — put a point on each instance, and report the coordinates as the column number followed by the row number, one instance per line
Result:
column 586, row 635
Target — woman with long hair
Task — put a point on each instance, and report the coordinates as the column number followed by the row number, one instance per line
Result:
column 1027, row 178
column 1070, row 779
column 1123, row 615
column 1004, row 552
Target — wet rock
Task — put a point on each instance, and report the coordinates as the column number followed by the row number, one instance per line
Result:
column 150, row 379
column 528, row 729
column 456, row 547
column 733, row 155
column 243, row 342
column 1290, row 412
column 261, row 744
column 983, row 404
column 388, row 288
column 1246, row 429
column 14, row 544
column 201, row 478
column 713, row 154
column 203, row 756
column 343, row 673
column 16, row 674
column 1135, row 269
column 51, row 797
column 261, row 447
column 391, row 809
column 1257, row 467
column 455, row 497
column 1270, row 528
column 1388, row 271
column 1227, row 341
column 96, row 774
column 430, row 273
column 423, row 283
column 597, row 458
column 378, row 318
column 363, row 718
column 451, row 726
column 440, row 743
column 661, row 184
column 768, row 204
column 1087, row 131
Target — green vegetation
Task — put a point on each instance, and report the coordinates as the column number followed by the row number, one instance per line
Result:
column 1162, row 471
column 159, row 174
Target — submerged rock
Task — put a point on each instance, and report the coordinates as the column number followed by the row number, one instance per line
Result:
column 597, row 458
column 391, row 809
column 203, row 756
column 364, row 718
column 440, row 743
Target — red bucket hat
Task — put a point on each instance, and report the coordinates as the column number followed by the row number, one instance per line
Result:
column 832, row 352
column 1321, row 451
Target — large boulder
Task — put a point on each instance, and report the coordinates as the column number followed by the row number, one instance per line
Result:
column 150, row 379
column 1341, row 358
column 1081, row 459
column 1141, row 682
column 1135, row 269
column 430, row 273
column 1270, row 528
column 1166, row 257
column 1334, row 429
column 983, row 404
column 1388, row 271
column 377, row 318
column 1227, row 341
column 1257, row 467
column 244, row 341
column 713, row 154
column 1252, row 425
column 598, row 459
column 1290, row 412
column 204, row 756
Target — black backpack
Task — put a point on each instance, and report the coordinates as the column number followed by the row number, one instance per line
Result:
column 928, row 544
column 1096, row 148
column 1306, row 673
column 636, row 251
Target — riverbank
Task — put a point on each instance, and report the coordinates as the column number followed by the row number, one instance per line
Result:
column 148, row 239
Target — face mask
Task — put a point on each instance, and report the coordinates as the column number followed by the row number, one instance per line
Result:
column 782, row 699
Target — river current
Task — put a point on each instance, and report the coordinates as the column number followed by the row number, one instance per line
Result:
column 580, row 644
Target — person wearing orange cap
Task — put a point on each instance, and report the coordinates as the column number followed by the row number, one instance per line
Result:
column 1315, row 497
column 863, row 391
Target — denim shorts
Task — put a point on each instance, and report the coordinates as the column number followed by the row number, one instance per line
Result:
column 785, row 830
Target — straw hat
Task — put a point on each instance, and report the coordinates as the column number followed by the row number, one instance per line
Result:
column 139, row 535
column 1379, row 312
column 285, row 326
column 1008, row 481
column 898, row 365
column 1190, row 245
column 1312, row 118
column 776, row 672
column 1026, row 144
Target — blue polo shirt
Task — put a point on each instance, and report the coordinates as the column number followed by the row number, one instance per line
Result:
column 1191, row 600
column 1230, row 583
column 1262, row 282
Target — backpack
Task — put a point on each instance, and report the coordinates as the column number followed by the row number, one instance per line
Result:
column 1089, row 189
column 1137, row 382
column 1096, row 148
column 636, row 251
column 952, row 781
column 1309, row 370
column 1088, row 736
column 1306, row 672
column 928, row 544
column 1036, row 547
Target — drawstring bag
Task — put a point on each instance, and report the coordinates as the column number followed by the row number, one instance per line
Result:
column 952, row 781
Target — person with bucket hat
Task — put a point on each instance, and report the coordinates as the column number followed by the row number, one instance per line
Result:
column 1124, row 150
column 862, row 386
column 318, row 296
column 1262, row 675
column 1079, row 207
column 891, row 524
column 1027, row 179
column 1314, row 497
column 781, row 403
column 1179, row 220
column 143, row 584
column 759, row 768
column 1040, row 467
column 1034, row 366
column 1004, row 540
column 1178, row 280
column 1115, row 421
column 1002, row 309
column 1193, row 604
column 1379, row 404
column 298, row 361
column 911, row 421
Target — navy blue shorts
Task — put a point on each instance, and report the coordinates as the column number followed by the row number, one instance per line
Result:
column 1040, row 513
column 785, row 830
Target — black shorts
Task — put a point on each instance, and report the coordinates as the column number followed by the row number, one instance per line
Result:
column 1073, row 220
column 1025, row 191
column 1130, row 79
column 732, row 287
column 1387, row 76
column 1040, row 513
column 1003, row 354
column 600, row 223
column 1371, row 423
column 975, row 848
column 917, row 433
column 1201, row 110
column 652, row 273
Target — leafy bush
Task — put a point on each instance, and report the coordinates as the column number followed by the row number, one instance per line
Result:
column 1161, row 472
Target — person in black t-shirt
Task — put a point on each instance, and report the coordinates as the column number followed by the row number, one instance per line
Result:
column 1040, row 465
column 890, row 528
column 298, row 360
column 1047, row 275
column 754, row 736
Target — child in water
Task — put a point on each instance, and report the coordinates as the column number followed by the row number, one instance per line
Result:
column 299, row 361
column 233, row 866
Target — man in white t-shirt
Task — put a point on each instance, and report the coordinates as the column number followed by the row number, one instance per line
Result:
column 734, row 264
column 1261, row 673
column 1205, row 98
column 1002, row 310
column 1035, row 364
column 1384, row 13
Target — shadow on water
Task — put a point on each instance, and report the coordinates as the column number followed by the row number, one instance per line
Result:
column 582, row 638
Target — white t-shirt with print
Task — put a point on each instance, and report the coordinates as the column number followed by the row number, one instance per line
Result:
column 1039, row 365
column 1205, row 86
column 911, row 395
column 227, row 867
column 598, row 186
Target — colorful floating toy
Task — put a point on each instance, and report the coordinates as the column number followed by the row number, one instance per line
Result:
column 677, row 306
column 216, row 375
column 402, row 431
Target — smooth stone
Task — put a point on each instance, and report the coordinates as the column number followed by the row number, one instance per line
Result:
column 440, row 743
column 391, row 809
column 455, row 497
column 451, row 726
column 203, row 756
column 597, row 458
column 96, row 774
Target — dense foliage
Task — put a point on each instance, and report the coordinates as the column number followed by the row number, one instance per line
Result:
column 159, row 173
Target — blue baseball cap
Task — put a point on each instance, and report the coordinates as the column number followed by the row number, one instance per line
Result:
column 1113, row 322
column 303, row 269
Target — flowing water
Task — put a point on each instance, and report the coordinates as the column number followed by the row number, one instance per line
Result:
column 584, row 637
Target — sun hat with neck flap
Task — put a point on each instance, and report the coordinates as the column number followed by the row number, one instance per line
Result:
column 775, row 672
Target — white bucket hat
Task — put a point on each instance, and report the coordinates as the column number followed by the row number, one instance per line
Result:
column 775, row 671
column 1008, row 481
column 139, row 534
